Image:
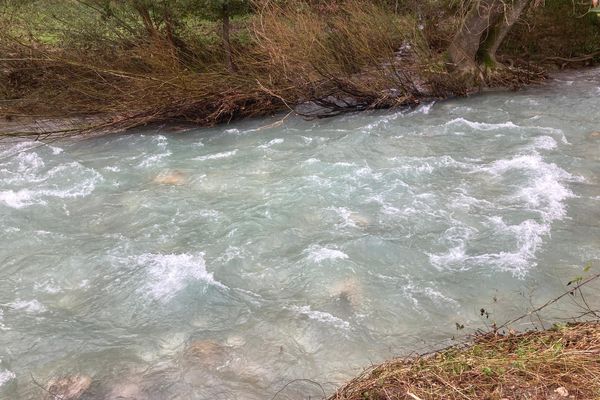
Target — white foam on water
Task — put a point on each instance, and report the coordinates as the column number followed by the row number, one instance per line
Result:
column 367, row 172
column 453, row 256
column 318, row 254
column 428, row 164
column 321, row 316
column 161, row 141
column 382, row 121
column 547, row 196
column 528, row 236
column 318, row 181
column 19, row 199
column 154, row 159
column 544, row 193
column 27, row 197
column 311, row 161
column 2, row 326
column 56, row 150
column 423, row 167
column 167, row 274
column 6, row 376
column 344, row 213
column 231, row 253
column 14, row 149
column 24, row 167
column 344, row 164
column 521, row 161
column 412, row 291
column 544, row 143
column 424, row 108
column 462, row 200
column 482, row 126
column 217, row 156
column 271, row 143
column 25, row 180
column 28, row 306
column 48, row 286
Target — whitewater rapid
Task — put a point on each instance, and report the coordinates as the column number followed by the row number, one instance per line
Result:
column 226, row 262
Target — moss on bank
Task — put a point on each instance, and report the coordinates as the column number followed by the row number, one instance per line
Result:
column 563, row 362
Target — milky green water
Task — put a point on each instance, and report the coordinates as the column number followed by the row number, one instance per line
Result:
column 223, row 263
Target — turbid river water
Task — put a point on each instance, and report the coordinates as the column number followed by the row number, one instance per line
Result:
column 224, row 263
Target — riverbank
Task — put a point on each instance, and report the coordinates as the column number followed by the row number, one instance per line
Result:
column 345, row 56
column 563, row 362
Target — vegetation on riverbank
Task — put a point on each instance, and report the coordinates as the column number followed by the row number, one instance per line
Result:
column 140, row 61
column 500, row 364
column 563, row 362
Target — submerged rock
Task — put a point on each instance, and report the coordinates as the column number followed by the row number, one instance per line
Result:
column 359, row 220
column 68, row 388
column 170, row 178
column 348, row 291
column 205, row 352
column 126, row 391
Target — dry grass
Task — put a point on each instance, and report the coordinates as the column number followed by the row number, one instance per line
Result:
column 135, row 86
column 563, row 362
column 350, row 55
column 341, row 55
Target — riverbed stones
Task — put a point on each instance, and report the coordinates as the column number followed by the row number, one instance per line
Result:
column 68, row 388
column 359, row 220
column 207, row 352
column 348, row 291
column 170, row 178
column 126, row 391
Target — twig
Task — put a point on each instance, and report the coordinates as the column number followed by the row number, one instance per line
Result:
column 585, row 282
column 299, row 380
column 54, row 395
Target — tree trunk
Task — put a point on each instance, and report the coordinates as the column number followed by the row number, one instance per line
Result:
column 169, row 27
column 144, row 14
column 497, row 33
column 227, row 42
column 465, row 45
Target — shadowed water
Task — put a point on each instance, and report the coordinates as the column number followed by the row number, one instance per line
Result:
column 223, row 263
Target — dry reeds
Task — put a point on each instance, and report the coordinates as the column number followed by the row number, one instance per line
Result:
column 357, row 55
column 351, row 55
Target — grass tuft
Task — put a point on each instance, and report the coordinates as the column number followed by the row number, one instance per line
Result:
column 559, row 363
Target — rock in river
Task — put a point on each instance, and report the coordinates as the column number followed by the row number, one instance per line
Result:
column 68, row 388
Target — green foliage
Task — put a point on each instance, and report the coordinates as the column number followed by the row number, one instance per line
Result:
column 218, row 9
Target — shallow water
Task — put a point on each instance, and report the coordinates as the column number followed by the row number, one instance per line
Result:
column 223, row 263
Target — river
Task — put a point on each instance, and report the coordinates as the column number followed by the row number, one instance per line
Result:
column 224, row 263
